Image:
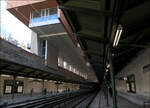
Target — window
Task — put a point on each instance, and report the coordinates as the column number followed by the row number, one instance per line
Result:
column 77, row 71
column 53, row 11
column 59, row 62
column 44, row 46
column 47, row 12
column 43, row 12
column 70, row 67
column 11, row 85
column 131, row 86
column 65, row 64
column 73, row 70
column 35, row 14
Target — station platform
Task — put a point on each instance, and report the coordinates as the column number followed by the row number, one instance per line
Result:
column 101, row 102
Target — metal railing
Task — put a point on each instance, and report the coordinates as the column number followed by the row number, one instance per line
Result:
column 45, row 18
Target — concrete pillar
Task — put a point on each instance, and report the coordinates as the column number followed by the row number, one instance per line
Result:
column 14, row 85
column 43, row 86
column 52, row 55
column 34, row 43
column 25, row 80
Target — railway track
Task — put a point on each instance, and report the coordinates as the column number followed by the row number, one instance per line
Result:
column 49, row 102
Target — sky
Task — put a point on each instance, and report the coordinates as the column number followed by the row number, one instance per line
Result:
column 11, row 24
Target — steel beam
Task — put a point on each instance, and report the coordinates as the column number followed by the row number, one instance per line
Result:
column 134, row 45
column 92, row 38
column 94, row 52
column 91, row 35
column 3, row 67
column 87, row 10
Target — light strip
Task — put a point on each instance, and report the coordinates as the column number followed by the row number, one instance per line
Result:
column 116, row 38
column 20, row 77
column 108, row 65
column 3, row 75
column 118, row 35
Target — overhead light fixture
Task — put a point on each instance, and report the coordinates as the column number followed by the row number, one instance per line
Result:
column 78, row 45
column 3, row 75
column 108, row 65
column 106, row 70
column 20, row 77
column 117, row 36
column 31, row 78
column 87, row 64
column 39, row 79
column 125, row 78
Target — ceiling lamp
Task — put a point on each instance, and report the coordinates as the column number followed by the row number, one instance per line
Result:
column 117, row 36
column 108, row 66
column 87, row 64
column 106, row 70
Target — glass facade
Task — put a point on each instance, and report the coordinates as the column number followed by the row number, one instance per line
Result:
column 43, row 15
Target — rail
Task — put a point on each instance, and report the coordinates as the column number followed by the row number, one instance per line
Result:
column 50, row 101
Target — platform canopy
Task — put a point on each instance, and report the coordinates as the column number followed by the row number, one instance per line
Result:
column 17, row 62
column 94, row 23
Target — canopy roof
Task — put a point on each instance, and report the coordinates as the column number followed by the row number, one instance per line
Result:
column 94, row 24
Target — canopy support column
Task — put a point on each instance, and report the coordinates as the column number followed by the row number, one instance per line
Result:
column 14, row 86
column 112, row 81
column 42, row 87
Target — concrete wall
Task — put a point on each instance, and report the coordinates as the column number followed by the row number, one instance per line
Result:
column 52, row 55
column 29, row 83
column 142, row 79
column 34, row 43
column 37, row 85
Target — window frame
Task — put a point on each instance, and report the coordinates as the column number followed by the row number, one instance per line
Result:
column 130, row 81
column 14, row 86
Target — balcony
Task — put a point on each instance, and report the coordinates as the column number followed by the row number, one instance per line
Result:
column 46, row 20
